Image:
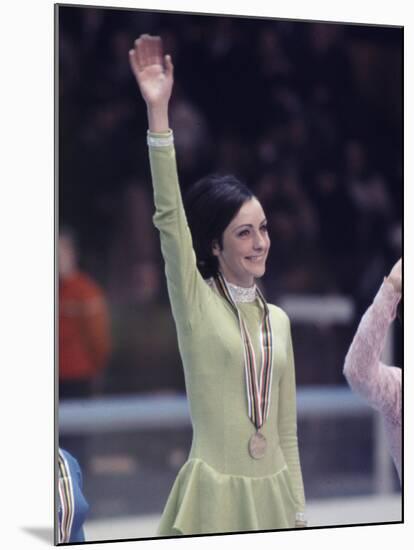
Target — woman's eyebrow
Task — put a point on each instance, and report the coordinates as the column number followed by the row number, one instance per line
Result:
column 243, row 225
column 249, row 224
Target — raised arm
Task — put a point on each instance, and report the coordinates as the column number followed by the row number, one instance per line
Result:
column 367, row 375
column 154, row 74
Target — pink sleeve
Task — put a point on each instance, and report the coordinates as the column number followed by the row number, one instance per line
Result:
column 379, row 384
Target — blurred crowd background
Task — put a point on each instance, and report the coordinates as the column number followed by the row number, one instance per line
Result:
column 308, row 114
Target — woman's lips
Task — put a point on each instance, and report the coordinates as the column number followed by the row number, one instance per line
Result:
column 255, row 259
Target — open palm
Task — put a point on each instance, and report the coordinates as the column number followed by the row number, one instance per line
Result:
column 153, row 71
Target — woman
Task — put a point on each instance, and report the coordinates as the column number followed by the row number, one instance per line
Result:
column 243, row 471
column 366, row 374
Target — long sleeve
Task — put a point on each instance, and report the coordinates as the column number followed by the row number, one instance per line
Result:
column 379, row 384
column 288, row 424
column 183, row 278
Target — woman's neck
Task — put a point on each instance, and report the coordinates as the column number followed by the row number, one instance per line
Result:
column 241, row 293
column 235, row 282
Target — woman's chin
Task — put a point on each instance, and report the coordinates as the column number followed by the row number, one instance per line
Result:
column 258, row 272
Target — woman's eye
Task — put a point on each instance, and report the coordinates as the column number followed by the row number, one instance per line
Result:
column 264, row 228
column 244, row 233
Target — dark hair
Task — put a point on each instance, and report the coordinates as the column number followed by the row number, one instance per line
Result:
column 210, row 205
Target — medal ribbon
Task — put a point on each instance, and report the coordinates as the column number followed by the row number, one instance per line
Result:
column 258, row 392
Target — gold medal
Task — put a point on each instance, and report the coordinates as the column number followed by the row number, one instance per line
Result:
column 257, row 445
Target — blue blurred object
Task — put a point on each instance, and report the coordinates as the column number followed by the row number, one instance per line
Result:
column 73, row 507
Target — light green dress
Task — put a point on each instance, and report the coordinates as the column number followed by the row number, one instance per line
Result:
column 221, row 488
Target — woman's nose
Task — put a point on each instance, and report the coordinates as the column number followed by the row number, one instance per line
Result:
column 259, row 242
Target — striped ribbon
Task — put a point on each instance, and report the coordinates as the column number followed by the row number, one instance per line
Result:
column 66, row 498
column 258, row 391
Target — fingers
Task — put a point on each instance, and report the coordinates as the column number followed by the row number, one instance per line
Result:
column 147, row 51
column 169, row 67
column 144, row 50
column 133, row 62
column 155, row 52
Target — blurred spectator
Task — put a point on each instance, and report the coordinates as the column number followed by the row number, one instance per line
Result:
column 84, row 325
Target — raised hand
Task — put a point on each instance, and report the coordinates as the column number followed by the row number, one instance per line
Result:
column 395, row 276
column 153, row 71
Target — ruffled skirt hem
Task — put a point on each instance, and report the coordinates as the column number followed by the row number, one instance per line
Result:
column 203, row 501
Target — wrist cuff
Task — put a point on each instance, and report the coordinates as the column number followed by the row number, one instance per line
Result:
column 160, row 140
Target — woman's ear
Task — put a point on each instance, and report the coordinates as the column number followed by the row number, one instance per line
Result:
column 215, row 247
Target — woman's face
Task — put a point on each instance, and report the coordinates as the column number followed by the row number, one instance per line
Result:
column 246, row 245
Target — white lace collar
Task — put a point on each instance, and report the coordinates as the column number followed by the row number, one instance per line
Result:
column 240, row 294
